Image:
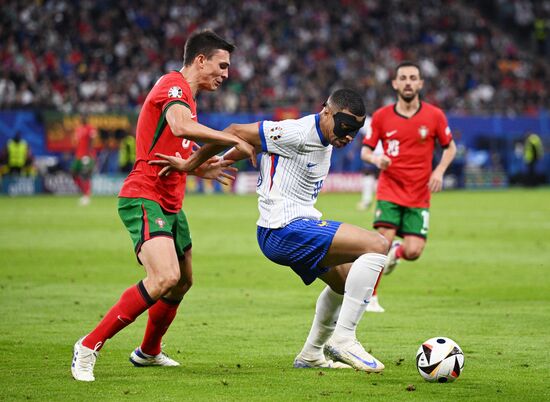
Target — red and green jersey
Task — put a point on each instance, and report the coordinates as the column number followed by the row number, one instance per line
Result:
column 409, row 143
column 155, row 136
column 84, row 136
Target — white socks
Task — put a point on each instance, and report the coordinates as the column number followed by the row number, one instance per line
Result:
column 369, row 185
column 327, row 310
column 359, row 287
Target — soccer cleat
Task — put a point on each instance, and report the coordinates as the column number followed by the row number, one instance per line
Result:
column 84, row 200
column 82, row 367
column 392, row 261
column 301, row 362
column 374, row 306
column 353, row 354
column 363, row 206
column 140, row 359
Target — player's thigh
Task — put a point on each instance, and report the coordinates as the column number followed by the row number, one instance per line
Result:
column 159, row 258
column 350, row 242
column 186, row 266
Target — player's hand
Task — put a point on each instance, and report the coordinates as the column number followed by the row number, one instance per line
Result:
column 170, row 163
column 248, row 150
column 218, row 169
column 436, row 181
column 382, row 162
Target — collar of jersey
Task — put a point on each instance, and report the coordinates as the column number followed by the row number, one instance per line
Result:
column 324, row 141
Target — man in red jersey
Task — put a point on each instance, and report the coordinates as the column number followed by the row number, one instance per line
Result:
column 150, row 205
column 408, row 130
column 84, row 158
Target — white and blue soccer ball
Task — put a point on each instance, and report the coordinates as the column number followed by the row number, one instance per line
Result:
column 439, row 359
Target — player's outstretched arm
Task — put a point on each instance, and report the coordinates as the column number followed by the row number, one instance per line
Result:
column 436, row 179
column 250, row 134
column 181, row 123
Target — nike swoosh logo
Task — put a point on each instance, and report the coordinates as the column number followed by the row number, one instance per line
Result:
column 390, row 133
column 193, row 116
column 371, row 364
column 122, row 320
column 310, row 165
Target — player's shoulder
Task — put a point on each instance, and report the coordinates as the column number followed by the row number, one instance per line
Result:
column 384, row 111
column 174, row 83
column 431, row 108
column 295, row 125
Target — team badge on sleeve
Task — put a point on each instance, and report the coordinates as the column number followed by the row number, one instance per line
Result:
column 175, row 92
column 275, row 133
column 447, row 130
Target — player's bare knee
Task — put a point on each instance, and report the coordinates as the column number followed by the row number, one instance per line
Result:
column 379, row 244
column 412, row 253
column 166, row 281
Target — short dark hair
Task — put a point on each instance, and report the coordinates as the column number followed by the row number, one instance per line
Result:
column 204, row 42
column 348, row 99
column 408, row 63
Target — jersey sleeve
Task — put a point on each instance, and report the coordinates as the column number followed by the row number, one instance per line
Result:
column 168, row 90
column 282, row 138
column 443, row 132
column 372, row 133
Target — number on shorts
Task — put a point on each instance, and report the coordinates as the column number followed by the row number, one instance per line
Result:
column 425, row 222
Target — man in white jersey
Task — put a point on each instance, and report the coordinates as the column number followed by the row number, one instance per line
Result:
column 295, row 162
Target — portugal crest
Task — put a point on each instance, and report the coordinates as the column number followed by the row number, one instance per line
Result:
column 160, row 222
column 423, row 131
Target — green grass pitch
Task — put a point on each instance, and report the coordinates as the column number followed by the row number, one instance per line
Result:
column 484, row 281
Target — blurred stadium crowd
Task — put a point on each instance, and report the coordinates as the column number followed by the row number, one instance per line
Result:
column 99, row 56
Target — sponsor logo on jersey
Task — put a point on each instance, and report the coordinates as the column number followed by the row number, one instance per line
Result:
column 175, row 92
column 310, row 165
column 423, row 131
column 160, row 222
column 390, row 133
column 447, row 130
column 275, row 133
column 322, row 224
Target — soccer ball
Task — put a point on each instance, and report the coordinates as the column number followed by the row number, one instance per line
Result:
column 439, row 359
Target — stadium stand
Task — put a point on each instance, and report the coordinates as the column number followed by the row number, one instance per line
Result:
column 99, row 56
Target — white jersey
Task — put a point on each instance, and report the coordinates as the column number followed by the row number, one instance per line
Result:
column 294, row 164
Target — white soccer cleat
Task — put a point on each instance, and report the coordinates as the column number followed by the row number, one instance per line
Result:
column 84, row 200
column 363, row 206
column 353, row 354
column 140, row 359
column 301, row 362
column 374, row 305
column 392, row 261
column 82, row 367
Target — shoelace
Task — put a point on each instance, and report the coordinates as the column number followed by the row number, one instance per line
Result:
column 86, row 361
column 163, row 357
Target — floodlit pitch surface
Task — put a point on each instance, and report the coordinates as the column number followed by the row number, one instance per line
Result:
column 484, row 281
